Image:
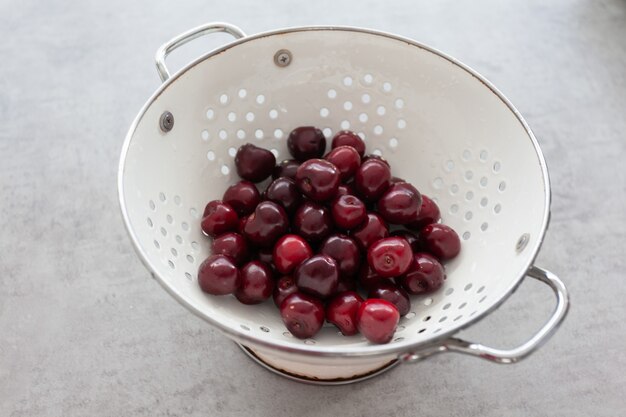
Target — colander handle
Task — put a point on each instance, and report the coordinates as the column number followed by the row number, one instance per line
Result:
column 507, row 356
column 188, row 36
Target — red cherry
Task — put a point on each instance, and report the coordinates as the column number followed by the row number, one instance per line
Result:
column 372, row 179
column 253, row 163
column 232, row 245
column 342, row 311
column 302, row 314
column 285, row 286
column 429, row 213
column 369, row 279
column 219, row 218
column 345, row 251
column 377, row 320
column 285, row 192
column 400, row 204
column 390, row 257
column 286, row 168
column 394, row 294
column 426, row 275
column 306, row 142
column 348, row 212
column 318, row 276
column 268, row 222
column 243, row 197
column 373, row 228
column 289, row 252
column 256, row 283
column 312, row 221
column 348, row 138
column 318, row 179
column 345, row 189
column 410, row 237
column 346, row 159
column 218, row 275
column 440, row 240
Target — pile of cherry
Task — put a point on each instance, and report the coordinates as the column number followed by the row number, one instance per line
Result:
column 320, row 230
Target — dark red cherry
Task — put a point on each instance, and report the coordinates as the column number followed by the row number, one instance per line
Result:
column 410, row 237
column 285, row 286
column 218, row 275
column 429, row 213
column 348, row 212
column 400, row 204
column 342, row 311
column 377, row 320
column 345, row 251
column 285, row 192
column 440, row 240
column 372, row 179
column 368, row 278
column 348, row 138
column 266, row 255
column 254, row 163
column 302, row 314
column 306, row 142
column 345, row 189
column 373, row 228
column 256, row 283
column 346, row 284
column 286, row 168
column 289, row 252
column 346, row 159
column 268, row 222
column 243, row 197
column 390, row 257
column 219, row 218
column 318, row 276
column 312, row 221
column 318, row 179
column 232, row 245
column 375, row 157
column 394, row 294
column 426, row 275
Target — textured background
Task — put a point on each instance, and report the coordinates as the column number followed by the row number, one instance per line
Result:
column 84, row 331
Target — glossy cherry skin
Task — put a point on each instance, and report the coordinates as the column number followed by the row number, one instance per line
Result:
column 372, row 179
column 312, row 221
column 369, row 279
column 285, row 286
column 426, row 275
column 285, row 192
column 286, row 168
column 440, row 240
column 348, row 212
column 342, row 310
column 218, row 275
column 410, row 237
column 345, row 189
column 289, row 252
column 318, row 276
column 400, row 204
column 253, row 163
column 302, row 314
column 377, row 320
column 348, row 138
column 373, row 228
column 219, row 218
column 318, row 179
column 394, row 294
column 268, row 222
column 306, row 142
column 375, row 157
column 243, row 197
column 390, row 257
column 256, row 283
column 346, row 159
column 232, row 245
column 345, row 251
column 429, row 213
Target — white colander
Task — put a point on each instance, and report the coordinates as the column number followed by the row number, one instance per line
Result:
column 441, row 126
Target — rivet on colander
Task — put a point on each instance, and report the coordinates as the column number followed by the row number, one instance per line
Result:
column 522, row 242
column 166, row 122
column 282, row 58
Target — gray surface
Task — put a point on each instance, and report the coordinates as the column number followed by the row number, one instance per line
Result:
column 85, row 332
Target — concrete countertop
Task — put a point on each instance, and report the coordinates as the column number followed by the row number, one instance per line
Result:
column 84, row 331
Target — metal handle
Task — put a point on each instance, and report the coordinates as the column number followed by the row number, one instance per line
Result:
column 507, row 356
column 188, row 36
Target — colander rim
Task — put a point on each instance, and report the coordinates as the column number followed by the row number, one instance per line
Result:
column 240, row 336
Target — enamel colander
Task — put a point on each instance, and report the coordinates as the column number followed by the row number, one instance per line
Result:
column 441, row 126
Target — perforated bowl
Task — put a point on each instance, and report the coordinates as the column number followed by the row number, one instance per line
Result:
column 441, row 126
